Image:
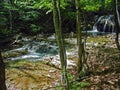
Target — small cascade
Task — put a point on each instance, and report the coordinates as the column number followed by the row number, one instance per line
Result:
column 104, row 24
column 36, row 50
column 95, row 25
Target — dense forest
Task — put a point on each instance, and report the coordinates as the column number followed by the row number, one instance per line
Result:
column 59, row 45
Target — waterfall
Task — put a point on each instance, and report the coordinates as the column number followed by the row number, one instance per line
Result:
column 104, row 24
column 95, row 25
column 110, row 23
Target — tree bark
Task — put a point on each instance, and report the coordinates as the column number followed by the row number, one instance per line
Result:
column 2, row 74
column 117, row 22
column 59, row 37
column 2, row 65
column 79, row 38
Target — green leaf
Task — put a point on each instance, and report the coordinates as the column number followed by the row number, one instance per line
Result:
column 84, row 84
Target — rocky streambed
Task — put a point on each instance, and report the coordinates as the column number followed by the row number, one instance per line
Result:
column 36, row 65
column 33, row 64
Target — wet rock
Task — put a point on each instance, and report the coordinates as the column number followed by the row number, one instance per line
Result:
column 15, row 53
column 55, row 62
column 52, row 71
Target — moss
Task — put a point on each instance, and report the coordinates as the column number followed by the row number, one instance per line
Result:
column 98, row 39
column 14, row 54
column 28, row 74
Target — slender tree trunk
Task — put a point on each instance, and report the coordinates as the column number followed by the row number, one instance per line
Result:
column 58, row 30
column 117, row 22
column 10, row 16
column 2, row 74
column 79, row 38
column 1, row 15
column 2, row 66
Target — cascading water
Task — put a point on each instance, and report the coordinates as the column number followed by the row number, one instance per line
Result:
column 40, row 49
column 36, row 50
column 95, row 25
column 104, row 24
column 95, row 30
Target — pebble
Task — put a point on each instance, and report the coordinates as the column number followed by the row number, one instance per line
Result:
column 52, row 71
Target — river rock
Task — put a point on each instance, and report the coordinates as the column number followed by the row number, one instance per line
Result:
column 55, row 62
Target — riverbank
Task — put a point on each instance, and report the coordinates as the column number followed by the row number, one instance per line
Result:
column 103, row 60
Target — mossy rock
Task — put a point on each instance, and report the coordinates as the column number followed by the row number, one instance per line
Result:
column 28, row 75
column 14, row 53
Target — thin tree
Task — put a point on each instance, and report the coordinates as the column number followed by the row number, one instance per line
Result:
column 2, row 65
column 59, row 36
column 79, row 38
column 2, row 74
column 117, row 22
column 82, row 67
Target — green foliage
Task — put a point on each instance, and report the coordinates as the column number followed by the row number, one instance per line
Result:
column 88, row 5
column 108, row 4
column 30, row 15
column 58, row 87
column 37, row 12
column 73, row 85
column 70, row 77
column 6, row 32
column 84, row 84
column 91, row 5
column 25, row 4
column 70, row 15
column 95, row 5
column 34, row 28
column 44, row 4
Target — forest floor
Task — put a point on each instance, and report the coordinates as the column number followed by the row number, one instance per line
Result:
column 103, row 60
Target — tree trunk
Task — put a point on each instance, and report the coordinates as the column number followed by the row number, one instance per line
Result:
column 58, row 30
column 2, row 74
column 117, row 22
column 2, row 66
column 79, row 38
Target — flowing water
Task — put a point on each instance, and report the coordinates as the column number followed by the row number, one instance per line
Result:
column 36, row 49
column 103, row 25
